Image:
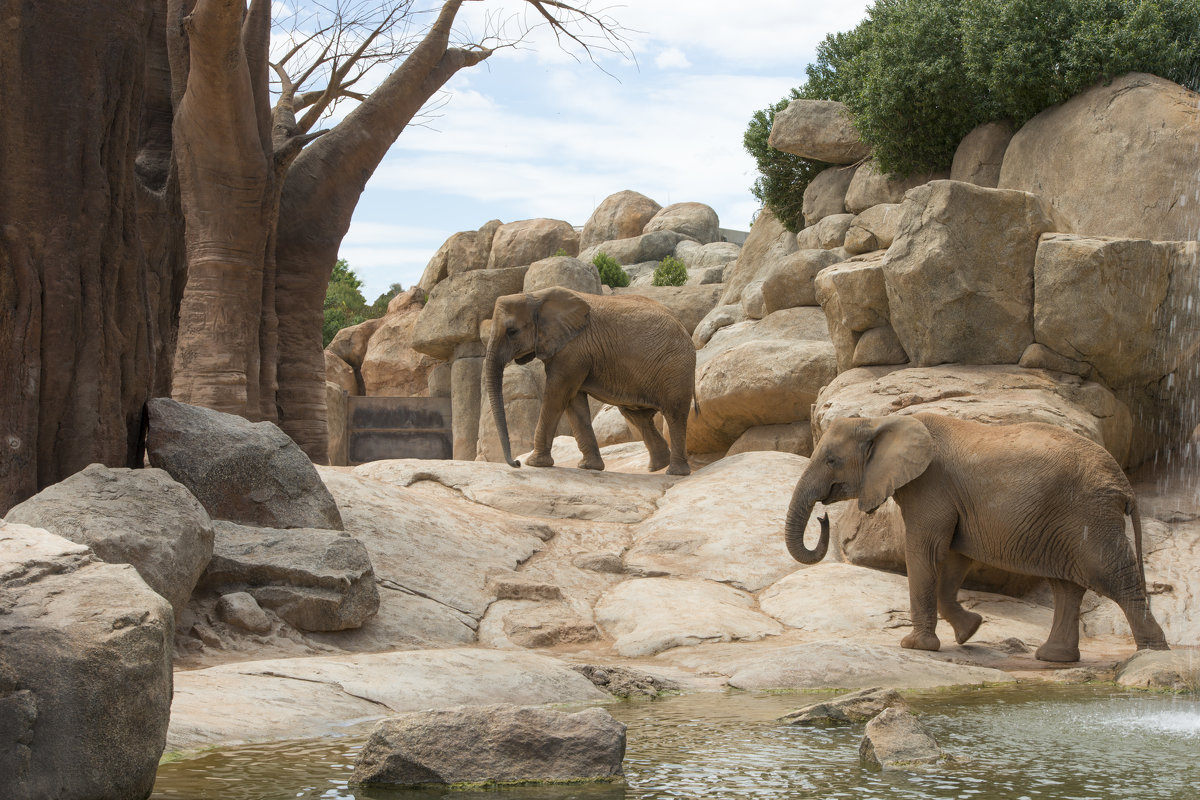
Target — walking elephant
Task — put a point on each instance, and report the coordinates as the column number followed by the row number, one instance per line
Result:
column 626, row 350
column 1029, row 498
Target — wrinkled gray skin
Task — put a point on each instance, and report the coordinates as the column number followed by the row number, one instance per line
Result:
column 1029, row 498
column 628, row 351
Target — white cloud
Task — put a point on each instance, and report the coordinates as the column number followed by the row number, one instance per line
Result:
column 672, row 58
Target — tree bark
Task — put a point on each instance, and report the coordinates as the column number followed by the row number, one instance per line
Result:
column 77, row 360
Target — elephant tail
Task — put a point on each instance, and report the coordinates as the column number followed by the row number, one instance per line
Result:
column 1131, row 508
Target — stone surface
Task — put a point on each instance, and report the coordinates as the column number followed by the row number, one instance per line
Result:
column 960, row 272
column 700, row 256
column 641, row 249
column 786, row 283
column 825, row 195
column 563, row 271
column 624, row 682
column 818, row 129
column 871, row 187
column 462, row 252
column 897, row 740
column 518, row 244
column 790, row 437
column 619, row 216
column 350, row 343
column 391, row 367
column 695, row 220
column 490, row 745
column 1109, row 159
column 873, row 229
column 458, row 304
column 878, row 346
column 85, row 672
column 241, row 471
column 998, row 394
column 138, row 517
column 548, row 625
column 341, row 374
column 980, row 155
column 827, row 234
column 317, row 580
column 337, row 415
column 767, row 243
column 857, row 706
column 853, row 295
column 1175, row 670
column 243, row 611
column 688, row 304
column 466, row 404
column 650, row 615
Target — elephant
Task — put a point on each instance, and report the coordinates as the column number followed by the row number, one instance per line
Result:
column 1030, row 498
column 625, row 350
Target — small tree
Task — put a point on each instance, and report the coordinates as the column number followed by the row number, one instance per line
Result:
column 611, row 273
column 670, row 272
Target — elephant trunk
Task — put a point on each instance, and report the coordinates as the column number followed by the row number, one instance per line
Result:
column 803, row 500
column 493, row 370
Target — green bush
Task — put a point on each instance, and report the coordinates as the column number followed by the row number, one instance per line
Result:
column 345, row 304
column 670, row 272
column 611, row 273
column 918, row 75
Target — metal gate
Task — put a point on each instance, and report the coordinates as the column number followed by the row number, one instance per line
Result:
column 378, row 428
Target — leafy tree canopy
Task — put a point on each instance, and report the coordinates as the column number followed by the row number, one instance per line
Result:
column 345, row 304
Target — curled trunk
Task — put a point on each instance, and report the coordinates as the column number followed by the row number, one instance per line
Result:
column 493, row 370
column 799, row 511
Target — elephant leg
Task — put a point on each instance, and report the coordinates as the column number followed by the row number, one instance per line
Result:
column 929, row 525
column 1125, row 588
column 579, row 416
column 642, row 419
column 1063, row 643
column 555, row 401
column 950, row 577
column 677, row 427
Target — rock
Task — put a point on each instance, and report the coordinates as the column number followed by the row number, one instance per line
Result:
column 458, row 304
column 241, row 610
column 626, row 683
column 827, row 234
column 825, row 195
column 953, row 303
column 563, row 271
column 767, row 243
column 871, row 187
column 609, row 563
column 650, row 247
column 980, row 155
column 1038, row 356
column 491, row 745
column 851, row 664
column 756, row 383
column 611, row 427
column 1108, row 159
column 677, row 541
column 791, row 437
column 341, row 374
column 516, row 587
column 721, row 316
column 240, row 471
column 897, row 740
column 854, row 297
column 1174, row 670
column 818, row 129
column 803, row 323
column 391, row 367
column 440, row 378
column 854, row 600
column 466, row 400
column 350, row 343
column 688, row 304
column 518, row 244
column 139, row 517
column 336, row 417
column 619, row 216
column 704, row 276
column 695, row 220
column 462, row 252
column 547, row 625
column 317, row 580
column 650, row 615
column 85, row 672
column 873, row 229
column 878, row 346
column 997, row 394
column 701, row 256
column 857, row 706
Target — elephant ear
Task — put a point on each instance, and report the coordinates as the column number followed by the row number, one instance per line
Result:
column 901, row 449
column 561, row 315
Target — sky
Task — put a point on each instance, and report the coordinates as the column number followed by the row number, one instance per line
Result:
column 534, row 132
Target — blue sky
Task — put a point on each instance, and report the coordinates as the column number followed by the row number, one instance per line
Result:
column 535, row 133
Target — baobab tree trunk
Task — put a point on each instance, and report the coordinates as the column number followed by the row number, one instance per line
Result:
column 77, row 356
column 322, row 188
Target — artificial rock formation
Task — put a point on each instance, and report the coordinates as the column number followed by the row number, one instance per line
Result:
column 818, row 129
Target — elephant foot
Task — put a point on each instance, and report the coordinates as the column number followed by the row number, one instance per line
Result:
column 1056, row 652
column 596, row 463
column 540, row 460
column 918, row 640
column 679, row 469
column 965, row 626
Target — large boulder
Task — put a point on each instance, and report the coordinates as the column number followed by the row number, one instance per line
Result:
column 854, row 297
column 960, row 272
column 767, row 243
column 786, row 283
column 872, row 229
column 458, row 304
column 694, row 220
column 492, row 745
column 703, row 256
column 825, row 194
column 241, row 471
column 317, row 580
column 350, row 343
column 688, row 304
column 992, row 394
column 619, row 216
column 391, row 367
column 566, row 271
column 1112, row 160
column 139, row 517
column 519, row 244
column 462, row 252
column 897, row 740
column 85, row 672
column 818, row 129
column 641, row 249
column 980, row 155
column 871, row 186
column 341, row 374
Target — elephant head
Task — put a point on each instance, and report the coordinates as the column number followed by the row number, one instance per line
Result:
column 524, row 326
column 867, row 458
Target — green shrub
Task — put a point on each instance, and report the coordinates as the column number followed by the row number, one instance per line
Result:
column 918, row 75
column 561, row 252
column 611, row 273
column 670, row 272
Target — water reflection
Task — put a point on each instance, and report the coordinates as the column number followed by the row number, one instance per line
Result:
column 1052, row 743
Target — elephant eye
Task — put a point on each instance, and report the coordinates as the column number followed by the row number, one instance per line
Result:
column 510, row 332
